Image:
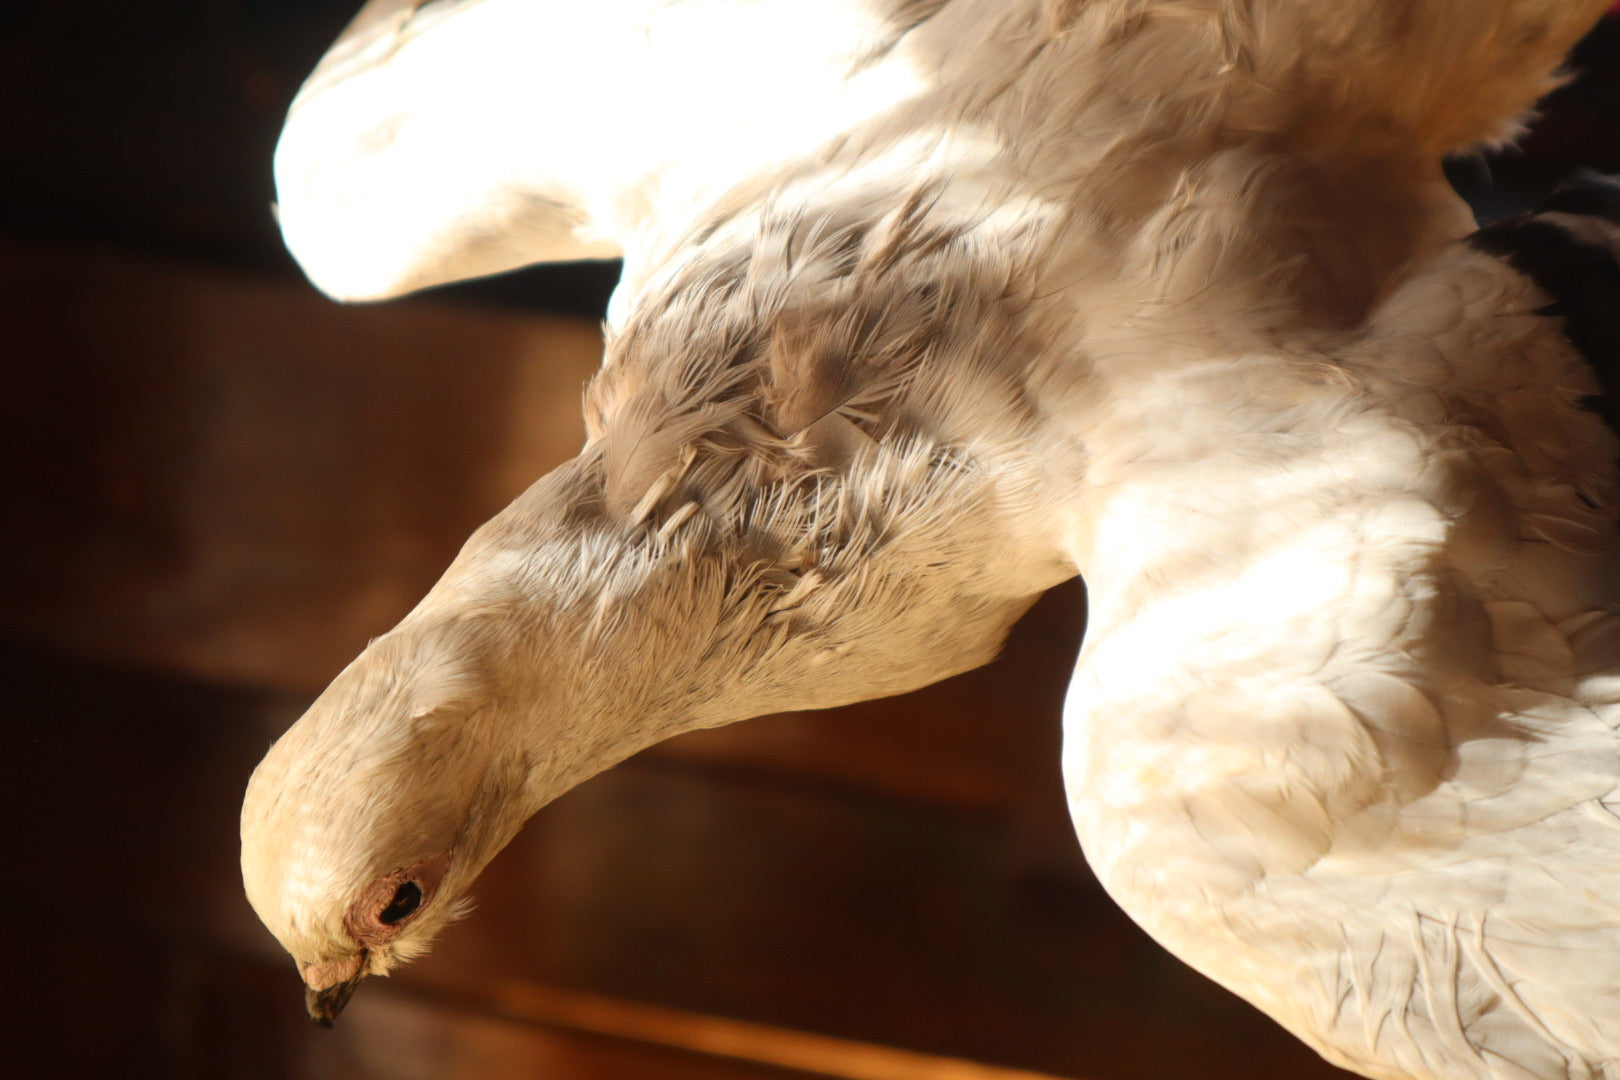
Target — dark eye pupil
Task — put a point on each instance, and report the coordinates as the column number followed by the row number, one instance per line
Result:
column 406, row 900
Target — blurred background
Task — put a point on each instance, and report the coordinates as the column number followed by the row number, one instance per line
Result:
column 219, row 485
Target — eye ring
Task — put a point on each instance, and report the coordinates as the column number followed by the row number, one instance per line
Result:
column 407, row 898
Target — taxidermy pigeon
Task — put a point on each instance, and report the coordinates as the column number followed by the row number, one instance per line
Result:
column 931, row 304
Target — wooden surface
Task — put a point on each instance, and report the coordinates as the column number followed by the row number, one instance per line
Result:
column 226, row 485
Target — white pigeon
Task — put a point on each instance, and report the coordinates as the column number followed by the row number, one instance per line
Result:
column 931, row 304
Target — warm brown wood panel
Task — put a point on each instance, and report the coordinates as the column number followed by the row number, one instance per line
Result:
column 242, row 480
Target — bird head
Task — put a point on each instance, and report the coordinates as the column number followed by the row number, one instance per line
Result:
column 365, row 823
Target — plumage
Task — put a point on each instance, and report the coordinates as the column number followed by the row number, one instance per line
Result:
column 931, row 304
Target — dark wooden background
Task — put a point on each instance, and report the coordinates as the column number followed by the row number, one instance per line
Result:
column 218, row 485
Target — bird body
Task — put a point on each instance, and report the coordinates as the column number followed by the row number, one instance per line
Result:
column 959, row 298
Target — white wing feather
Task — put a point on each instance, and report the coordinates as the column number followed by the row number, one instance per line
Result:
column 408, row 158
column 459, row 138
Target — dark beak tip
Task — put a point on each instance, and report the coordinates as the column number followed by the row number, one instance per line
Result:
column 323, row 1006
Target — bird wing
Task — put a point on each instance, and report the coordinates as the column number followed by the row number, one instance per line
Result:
column 447, row 139
column 1371, row 770
column 409, row 157
column 456, row 138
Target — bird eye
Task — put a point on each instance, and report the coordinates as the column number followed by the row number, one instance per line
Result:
column 407, row 898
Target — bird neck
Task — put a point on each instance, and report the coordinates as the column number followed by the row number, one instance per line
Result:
column 603, row 633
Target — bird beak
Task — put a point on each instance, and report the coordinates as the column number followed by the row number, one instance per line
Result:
column 328, row 987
